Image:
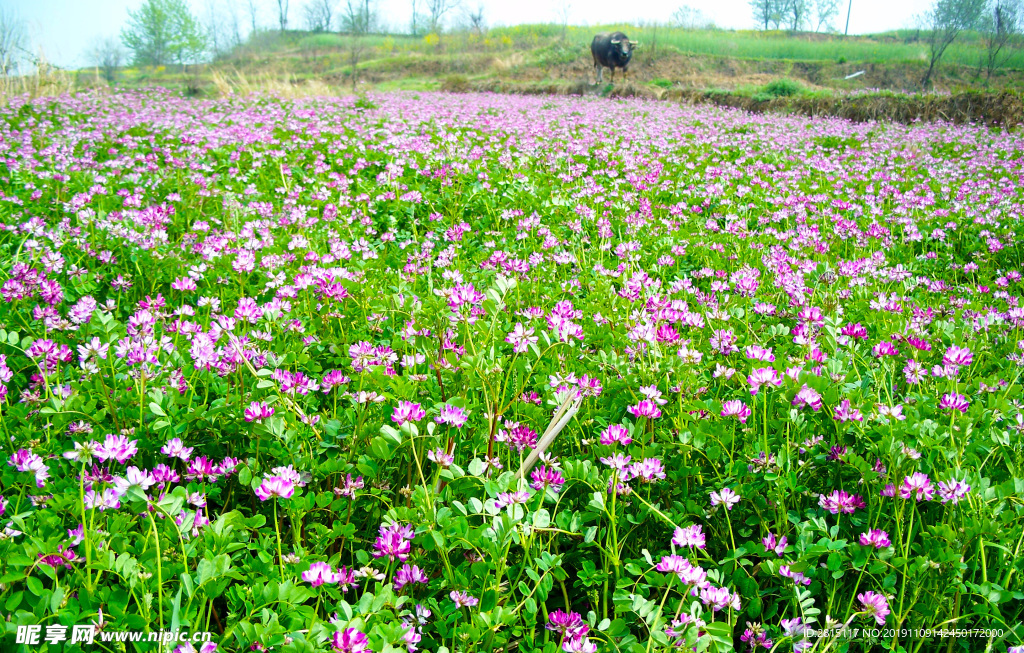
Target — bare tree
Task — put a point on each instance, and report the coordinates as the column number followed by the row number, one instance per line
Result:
column 436, row 11
column 825, row 11
column 563, row 12
column 475, row 19
column 282, row 14
column 215, row 28
column 234, row 25
column 1001, row 33
column 945, row 21
column 254, row 11
column 414, row 27
column 355, row 50
column 359, row 16
column 12, row 41
column 688, row 17
column 318, row 15
column 769, row 12
column 108, row 55
column 795, row 13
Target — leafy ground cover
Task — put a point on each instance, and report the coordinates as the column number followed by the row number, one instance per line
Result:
column 481, row 372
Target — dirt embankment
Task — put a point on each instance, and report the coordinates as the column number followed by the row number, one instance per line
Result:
column 1004, row 109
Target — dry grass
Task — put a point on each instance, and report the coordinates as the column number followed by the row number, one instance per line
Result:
column 46, row 81
column 502, row 64
column 237, row 83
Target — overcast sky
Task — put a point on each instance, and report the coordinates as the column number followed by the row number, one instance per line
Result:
column 65, row 29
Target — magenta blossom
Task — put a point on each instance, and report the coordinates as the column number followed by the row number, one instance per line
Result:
column 452, row 416
column 569, row 624
column 61, row 558
column 736, row 408
column 258, row 411
column 691, row 536
column 772, row 544
column 24, row 460
column 546, row 477
column 409, row 574
column 320, row 573
column 809, row 397
column 645, row 408
column 918, row 486
column 796, row 576
column 876, row 538
column 350, row 641
column 875, row 605
column 616, row 434
column 407, row 411
column 117, row 447
column 394, row 542
column 763, row 376
column 839, row 501
column 954, row 401
column 176, row 449
column 463, row 599
column 647, row 471
column 275, row 486
column 725, row 497
column 953, row 491
column 719, row 598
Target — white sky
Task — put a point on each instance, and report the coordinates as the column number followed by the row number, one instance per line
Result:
column 65, row 29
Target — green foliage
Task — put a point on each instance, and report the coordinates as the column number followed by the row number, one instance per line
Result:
column 322, row 42
column 163, row 31
column 783, row 88
column 252, row 344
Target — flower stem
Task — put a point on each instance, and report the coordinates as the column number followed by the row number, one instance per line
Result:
column 277, row 529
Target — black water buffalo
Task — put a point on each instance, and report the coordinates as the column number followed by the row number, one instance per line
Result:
column 612, row 50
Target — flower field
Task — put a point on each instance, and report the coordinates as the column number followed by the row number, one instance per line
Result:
column 489, row 373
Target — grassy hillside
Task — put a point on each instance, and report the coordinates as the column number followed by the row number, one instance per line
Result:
column 737, row 61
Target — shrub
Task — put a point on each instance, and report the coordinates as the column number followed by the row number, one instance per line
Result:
column 783, row 87
column 455, row 84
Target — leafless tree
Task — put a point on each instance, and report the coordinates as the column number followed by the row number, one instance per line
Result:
column 319, row 14
column 414, row 27
column 688, row 17
column 796, row 12
column 1001, row 33
column 359, row 16
column 564, row 11
column 436, row 11
column 12, row 41
column 282, row 14
column 215, row 28
column 825, row 11
column 355, row 50
column 253, row 6
column 234, row 25
column 108, row 55
column 945, row 21
column 774, row 13
column 475, row 19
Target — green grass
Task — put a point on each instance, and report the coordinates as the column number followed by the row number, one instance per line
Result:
column 404, row 62
column 780, row 45
column 891, row 47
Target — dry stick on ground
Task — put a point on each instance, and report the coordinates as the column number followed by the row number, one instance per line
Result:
column 294, row 407
column 561, row 417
